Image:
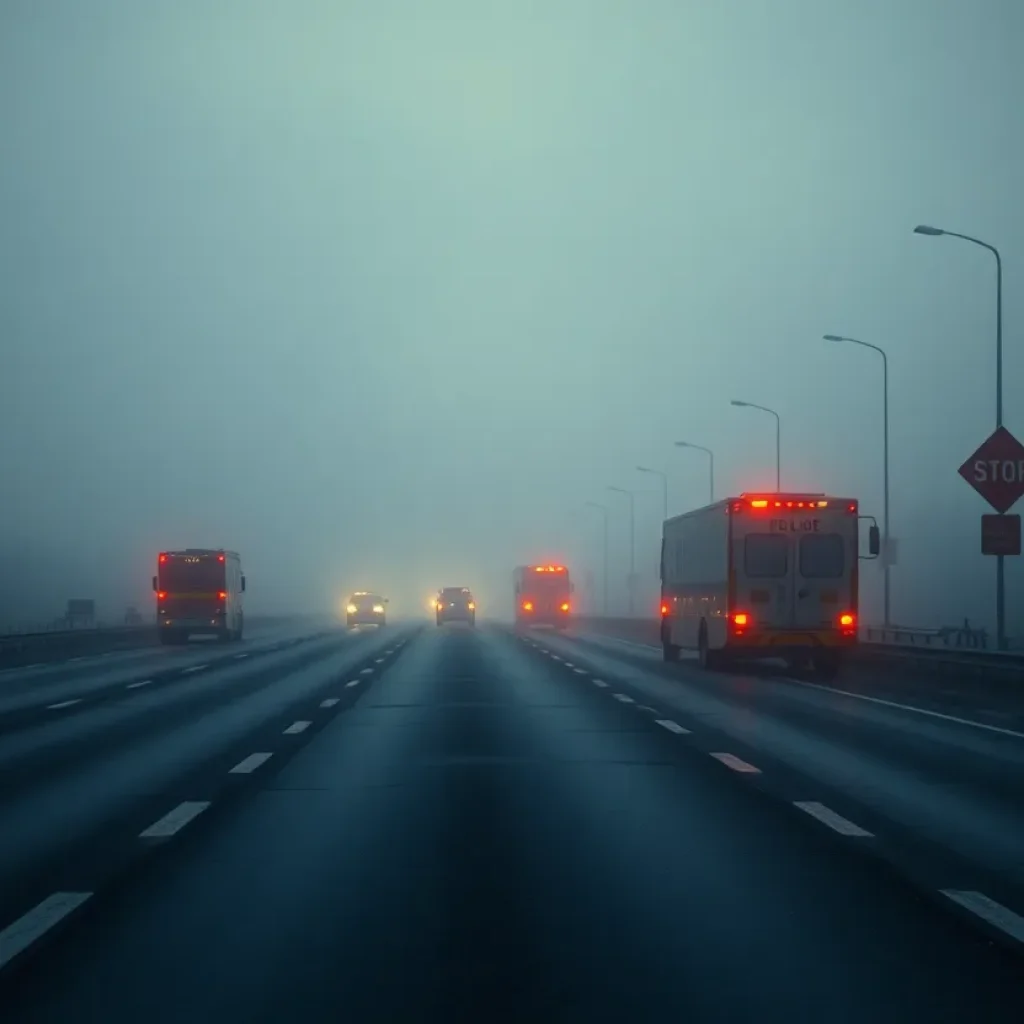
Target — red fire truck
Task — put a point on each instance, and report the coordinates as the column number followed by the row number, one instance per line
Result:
column 199, row 592
column 542, row 596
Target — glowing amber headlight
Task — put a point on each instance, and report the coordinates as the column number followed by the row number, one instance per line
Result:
column 471, row 606
column 378, row 608
column 351, row 609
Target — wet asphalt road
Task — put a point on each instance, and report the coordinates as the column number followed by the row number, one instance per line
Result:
column 416, row 824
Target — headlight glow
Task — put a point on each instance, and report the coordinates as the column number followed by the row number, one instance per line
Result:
column 351, row 609
column 379, row 609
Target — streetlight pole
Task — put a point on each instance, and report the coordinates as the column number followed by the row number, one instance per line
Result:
column 632, row 543
column 603, row 509
column 711, row 465
column 664, row 487
column 885, row 462
column 778, row 437
column 924, row 229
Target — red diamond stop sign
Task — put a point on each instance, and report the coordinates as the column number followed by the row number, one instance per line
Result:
column 996, row 470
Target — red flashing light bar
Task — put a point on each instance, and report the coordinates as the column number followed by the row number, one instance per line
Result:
column 772, row 502
column 549, row 568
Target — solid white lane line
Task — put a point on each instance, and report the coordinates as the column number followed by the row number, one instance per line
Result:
column 141, row 682
column 34, row 924
column 64, row 704
column 194, row 668
column 667, row 723
column 250, row 764
column 351, row 683
column 175, row 820
column 910, row 707
column 366, row 671
column 329, row 703
column 829, row 817
column 622, row 697
column 599, row 682
column 978, row 903
column 736, row 764
column 297, row 727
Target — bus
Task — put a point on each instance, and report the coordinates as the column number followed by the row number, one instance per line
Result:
column 763, row 575
column 199, row 592
column 542, row 596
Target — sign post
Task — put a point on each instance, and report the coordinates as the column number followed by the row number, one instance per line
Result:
column 996, row 472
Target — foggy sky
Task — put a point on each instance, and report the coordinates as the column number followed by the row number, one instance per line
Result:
column 380, row 294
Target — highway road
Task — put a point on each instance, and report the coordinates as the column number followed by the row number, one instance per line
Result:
column 420, row 824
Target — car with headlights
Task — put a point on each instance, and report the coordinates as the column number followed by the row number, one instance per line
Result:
column 366, row 609
column 455, row 604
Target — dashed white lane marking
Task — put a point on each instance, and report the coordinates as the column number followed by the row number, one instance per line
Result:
column 599, row 682
column 910, row 707
column 64, row 704
column 667, row 723
column 644, row 707
column 237, row 656
column 379, row 661
column 555, row 657
column 194, row 668
column 829, row 817
column 37, row 664
column 175, row 820
column 34, row 924
column 569, row 664
column 366, row 671
column 141, row 682
column 736, row 764
column 978, row 903
column 81, row 657
column 297, row 727
column 329, row 703
column 580, row 671
column 622, row 697
column 351, row 683
column 250, row 764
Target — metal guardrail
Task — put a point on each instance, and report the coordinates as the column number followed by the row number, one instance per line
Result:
column 951, row 651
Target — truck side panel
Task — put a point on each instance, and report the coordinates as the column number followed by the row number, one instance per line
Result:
column 695, row 576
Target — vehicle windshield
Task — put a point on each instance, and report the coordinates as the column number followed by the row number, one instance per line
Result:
column 366, row 600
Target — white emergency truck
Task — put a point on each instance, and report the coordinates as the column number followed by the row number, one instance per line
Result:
column 760, row 576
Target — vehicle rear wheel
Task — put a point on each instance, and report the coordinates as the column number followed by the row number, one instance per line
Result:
column 708, row 659
column 826, row 664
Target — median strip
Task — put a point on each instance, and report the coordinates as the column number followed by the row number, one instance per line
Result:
column 829, row 817
column 978, row 903
column 736, row 764
column 175, row 820
column 32, row 926
column 250, row 764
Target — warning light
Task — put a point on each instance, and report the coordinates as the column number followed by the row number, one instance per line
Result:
column 471, row 606
column 549, row 568
column 759, row 503
column 527, row 606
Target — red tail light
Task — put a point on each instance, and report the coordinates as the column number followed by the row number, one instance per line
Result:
column 220, row 558
column 664, row 609
column 527, row 606
column 161, row 595
column 222, row 594
column 565, row 606
column 741, row 619
column 848, row 624
column 163, row 558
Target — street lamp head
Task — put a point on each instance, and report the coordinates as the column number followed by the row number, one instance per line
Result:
column 644, row 469
column 683, row 444
column 924, row 229
column 834, row 337
column 740, row 404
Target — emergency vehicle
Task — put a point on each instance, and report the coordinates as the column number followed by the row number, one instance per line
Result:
column 199, row 591
column 542, row 596
column 763, row 575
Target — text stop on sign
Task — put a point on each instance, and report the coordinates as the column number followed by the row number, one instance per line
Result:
column 996, row 470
